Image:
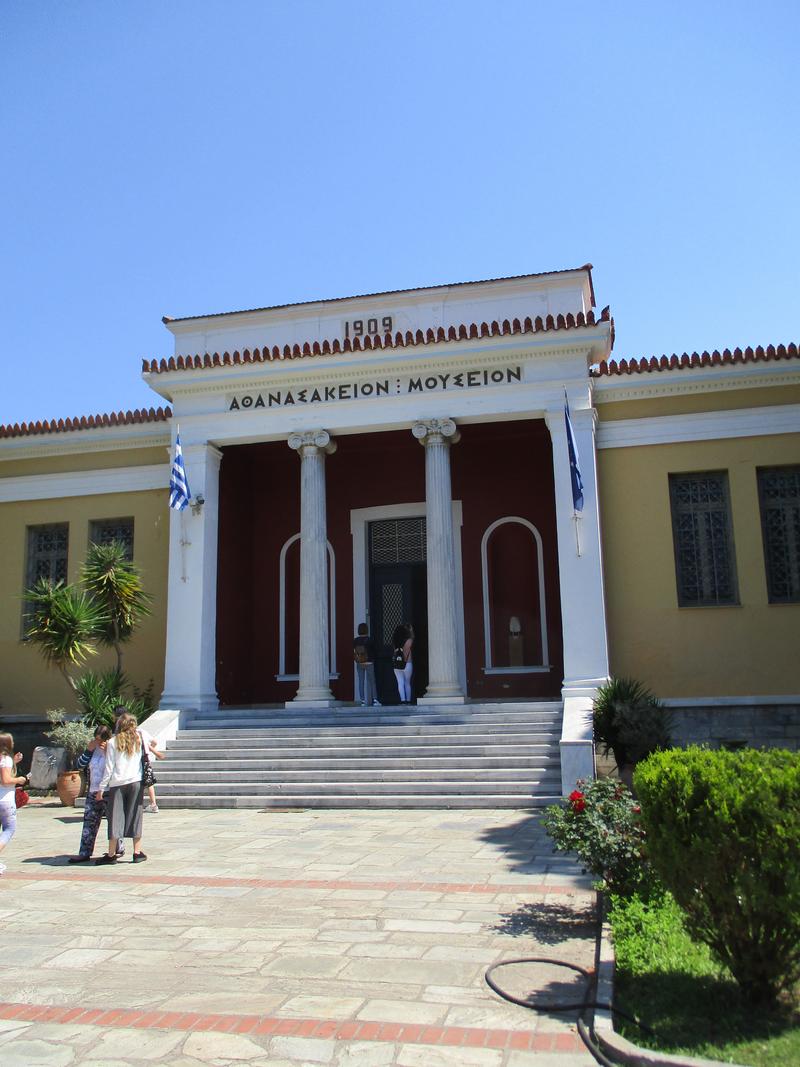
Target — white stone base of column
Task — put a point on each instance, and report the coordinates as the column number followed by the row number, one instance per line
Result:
column 309, row 702
column 189, row 701
column 454, row 699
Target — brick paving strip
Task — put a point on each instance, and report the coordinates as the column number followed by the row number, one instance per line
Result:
column 349, row 1030
column 517, row 889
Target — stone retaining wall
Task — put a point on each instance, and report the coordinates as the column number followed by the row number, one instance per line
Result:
column 735, row 726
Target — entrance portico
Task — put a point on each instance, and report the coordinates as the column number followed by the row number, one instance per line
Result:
column 528, row 594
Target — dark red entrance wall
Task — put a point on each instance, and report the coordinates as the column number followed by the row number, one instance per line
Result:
column 498, row 470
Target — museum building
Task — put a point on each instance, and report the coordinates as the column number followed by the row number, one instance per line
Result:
column 403, row 457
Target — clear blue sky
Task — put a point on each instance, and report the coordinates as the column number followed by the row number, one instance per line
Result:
column 186, row 156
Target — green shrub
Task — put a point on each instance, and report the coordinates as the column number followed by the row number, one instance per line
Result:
column 601, row 824
column 723, row 832
column 70, row 734
column 629, row 721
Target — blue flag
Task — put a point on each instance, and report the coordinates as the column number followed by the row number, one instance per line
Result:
column 574, row 469
column 179, row 494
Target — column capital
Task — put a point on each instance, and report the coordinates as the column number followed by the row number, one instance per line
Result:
column 440, row 430
column 582, row 418
column 311, row 441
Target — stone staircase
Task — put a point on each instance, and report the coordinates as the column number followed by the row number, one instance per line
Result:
column 502, row 755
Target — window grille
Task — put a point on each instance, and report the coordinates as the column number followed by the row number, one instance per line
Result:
column 391, row 610
column 104, row 531
column 779, row 496
column 397, row 541
column 47, row 553
column 705, row 562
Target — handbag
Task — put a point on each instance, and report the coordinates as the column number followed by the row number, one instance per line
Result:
column 148, row 778
column 21, row 797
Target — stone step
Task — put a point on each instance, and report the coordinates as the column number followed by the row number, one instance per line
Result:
column 467, row 756
column 230, row 764
column 297, row 801
column 246, row 738
column 176, row 776
column 366, row 716
column 214, row 728
column 352, row 788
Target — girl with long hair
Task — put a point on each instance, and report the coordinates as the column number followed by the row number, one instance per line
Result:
column 402, row 661
column 9, row 780
column 122, row 777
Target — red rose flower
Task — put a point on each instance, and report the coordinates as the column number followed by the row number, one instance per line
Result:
column 577, row 800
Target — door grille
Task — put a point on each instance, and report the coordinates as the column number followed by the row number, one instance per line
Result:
column 397, row 541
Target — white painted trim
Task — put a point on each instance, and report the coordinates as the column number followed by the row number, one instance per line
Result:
column 702, row 426
column 282, row 676
column 487, row 624
column 727, row 702
column 100, row 439
column 359, row 522
column 85, row 483
column 690, row 380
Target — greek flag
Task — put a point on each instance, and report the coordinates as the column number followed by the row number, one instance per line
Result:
column 574, row 468
column 179, row 494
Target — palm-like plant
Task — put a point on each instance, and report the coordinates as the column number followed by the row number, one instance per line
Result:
column 115, row 583
column 63, row 623
column 630, row 721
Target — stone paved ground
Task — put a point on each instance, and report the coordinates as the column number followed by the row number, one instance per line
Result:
column 284, row 938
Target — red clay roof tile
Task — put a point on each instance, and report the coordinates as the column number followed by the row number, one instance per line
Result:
column 86, row 422
column 408, row 339
column 616, row 368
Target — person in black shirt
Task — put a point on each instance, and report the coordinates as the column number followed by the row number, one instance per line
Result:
column 364, row 656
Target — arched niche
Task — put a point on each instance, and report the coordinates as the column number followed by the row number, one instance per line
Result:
column 514, row 600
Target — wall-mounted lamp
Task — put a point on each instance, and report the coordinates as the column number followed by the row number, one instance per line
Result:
column 197, row 504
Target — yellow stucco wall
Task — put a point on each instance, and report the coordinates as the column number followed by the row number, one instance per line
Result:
column 26, row 683
column 747, row 650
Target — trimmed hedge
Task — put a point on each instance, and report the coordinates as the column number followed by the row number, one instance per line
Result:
column 723, row 832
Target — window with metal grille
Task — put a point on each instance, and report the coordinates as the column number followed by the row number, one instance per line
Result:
column 47, row 553
column 397, row 541
column 104, row 531
column 705, row 562
column 779, row 496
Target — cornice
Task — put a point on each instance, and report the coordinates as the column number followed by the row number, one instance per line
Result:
column 609, row 390
column 451, row 335
column 185, row 384
column 66, row 443
column 699, row 426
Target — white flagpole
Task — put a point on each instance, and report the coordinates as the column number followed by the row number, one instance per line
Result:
column 576, row 519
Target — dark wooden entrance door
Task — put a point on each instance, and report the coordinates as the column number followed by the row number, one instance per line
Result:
column 398, row 594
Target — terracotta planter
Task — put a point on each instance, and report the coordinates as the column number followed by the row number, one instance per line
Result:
column 68, row 787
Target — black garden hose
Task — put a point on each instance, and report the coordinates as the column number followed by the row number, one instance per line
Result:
column 581, row 1006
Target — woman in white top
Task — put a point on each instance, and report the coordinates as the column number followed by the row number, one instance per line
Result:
column 122, row 777
column 9, row 780
column 404, row 643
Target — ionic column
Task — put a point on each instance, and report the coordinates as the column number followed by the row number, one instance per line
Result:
column 444, row 686
column 314, row 688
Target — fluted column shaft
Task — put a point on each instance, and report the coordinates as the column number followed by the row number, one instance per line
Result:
column 314, row 687
column 444, row 686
